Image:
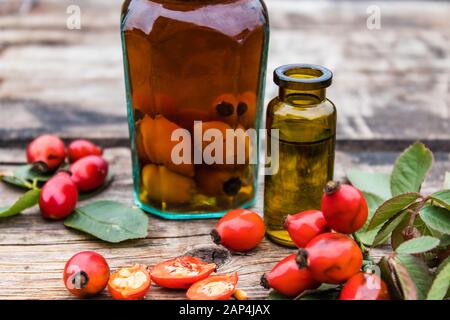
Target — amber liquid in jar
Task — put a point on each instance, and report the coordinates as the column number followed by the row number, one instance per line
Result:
column 187, row 61
column 306, row 121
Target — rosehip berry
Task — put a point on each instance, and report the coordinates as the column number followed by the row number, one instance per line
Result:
column 47, row 152
column 305, row 226
column 239, row 230
column 86, row 274
column 288, row 279
column 365, row 286
column 344, row 207
column 82, row 148
column 58, row 197
column 331, row 257
column 89, row 173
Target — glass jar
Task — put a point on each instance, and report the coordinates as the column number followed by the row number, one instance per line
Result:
column 306, row 123
column 188, row 61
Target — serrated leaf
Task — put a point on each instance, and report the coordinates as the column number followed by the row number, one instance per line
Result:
column 367, row 236
column 418, row 245
column 109, row 221
column 436, row 218
column 86, row 195
column 441, row 282
column 374, row 183
column 442, row 197
column 418, row 272
column 392, row 207
column 410, row 169
column 388, row 227
column 26, row 201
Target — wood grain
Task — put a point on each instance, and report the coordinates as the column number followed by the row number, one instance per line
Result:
column 391, row 83
column 33, row 251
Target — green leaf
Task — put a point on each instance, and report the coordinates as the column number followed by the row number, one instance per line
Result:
column 391, row 207
column 16, row 182
column 27, row 200
column 410, row 169
column 436, row 218
column 405, row 282
column 86, row 195
column 109, row 221
column 367, row 236
column 27, row 173
column 441, row 282
column 389, row 276
column 442, row 197
column 446, row 181
column 274, row 295
column 324, row 292
column 374, row 183
column 418, row 245
column 24, row 176
column 418, row 272
column 445, row 241
column 388, row 227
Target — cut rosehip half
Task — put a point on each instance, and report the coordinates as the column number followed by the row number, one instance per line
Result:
column 213, row 288
column 130, row 283
column 181, row 273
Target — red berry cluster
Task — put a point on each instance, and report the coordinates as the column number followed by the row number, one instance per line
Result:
column 88, row 171
column 326, row 253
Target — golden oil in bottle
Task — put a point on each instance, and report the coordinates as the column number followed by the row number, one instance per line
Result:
column 306, row 123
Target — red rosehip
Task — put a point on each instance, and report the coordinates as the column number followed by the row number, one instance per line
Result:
column 89, row 173
column 47, row 151
column 365, row 286
column 344, row 207
column 288, row 279
column 239, row 230
column 305, row 226
column 58, row 197
column 82, row 148
column 86, row 274
column 331, row 257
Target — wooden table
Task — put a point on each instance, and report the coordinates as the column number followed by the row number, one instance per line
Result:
column 391, row 88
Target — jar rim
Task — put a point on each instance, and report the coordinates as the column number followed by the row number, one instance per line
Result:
column 307, row 77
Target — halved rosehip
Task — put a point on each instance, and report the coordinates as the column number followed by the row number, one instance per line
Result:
column 89, row 173
column 213, row 288
column 181, row 273
column 47, row 152
column 58, row 197
column 130, row 283
column 79, row 149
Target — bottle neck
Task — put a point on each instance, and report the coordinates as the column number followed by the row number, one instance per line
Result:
column 302, row 97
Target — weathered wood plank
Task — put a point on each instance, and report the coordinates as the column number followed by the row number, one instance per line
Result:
column 389, row 83
column 33, row 251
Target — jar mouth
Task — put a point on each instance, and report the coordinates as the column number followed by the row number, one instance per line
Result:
column 303, row 77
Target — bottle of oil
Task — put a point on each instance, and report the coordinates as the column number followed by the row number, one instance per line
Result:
column 306, row 123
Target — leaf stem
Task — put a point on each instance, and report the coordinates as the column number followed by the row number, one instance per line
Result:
column 409, row 230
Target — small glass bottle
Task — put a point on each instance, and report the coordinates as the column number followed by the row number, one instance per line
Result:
column 306, row 121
